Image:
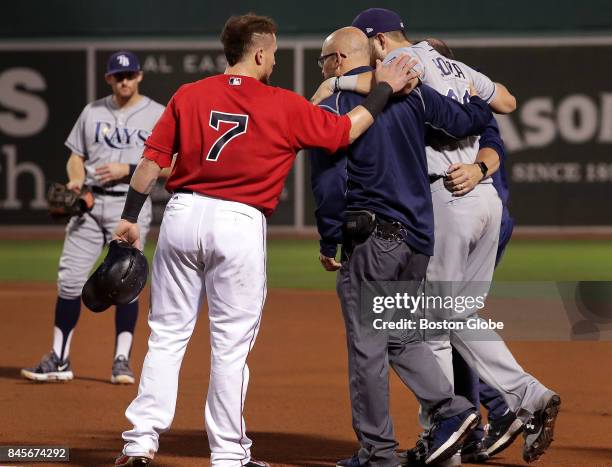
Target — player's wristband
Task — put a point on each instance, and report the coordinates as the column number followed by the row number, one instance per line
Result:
column 133, row 205
column 376, row 101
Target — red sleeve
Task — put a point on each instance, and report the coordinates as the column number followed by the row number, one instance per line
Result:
column 163, row 159
column 164, row 139
column 313, row 127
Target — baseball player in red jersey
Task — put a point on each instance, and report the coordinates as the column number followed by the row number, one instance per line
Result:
column 235, row 138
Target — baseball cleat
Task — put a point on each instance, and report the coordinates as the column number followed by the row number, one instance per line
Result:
column 256, row 463
column 500, row 433
column 539, row 430
column 452, row 461
column 50, row 368
column 447, row 436
column 125, row 460
column 349, row 462
column 415, row 456
column 473, row 452
column 122, row 373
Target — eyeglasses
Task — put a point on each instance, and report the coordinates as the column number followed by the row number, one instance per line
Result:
column 322, row 58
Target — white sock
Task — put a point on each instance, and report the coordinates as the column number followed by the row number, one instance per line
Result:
column 124, row 344
column 58, row 342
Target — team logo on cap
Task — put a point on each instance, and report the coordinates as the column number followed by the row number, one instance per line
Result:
column 369, row 30
column 402, row 24
column 123, row 60
column 235, row 81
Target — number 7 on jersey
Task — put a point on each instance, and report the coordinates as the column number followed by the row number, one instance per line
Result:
column 240, row 123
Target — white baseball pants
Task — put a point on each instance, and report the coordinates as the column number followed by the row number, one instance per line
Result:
column 207, row 247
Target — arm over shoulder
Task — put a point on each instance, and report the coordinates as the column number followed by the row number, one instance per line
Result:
column 313, row 127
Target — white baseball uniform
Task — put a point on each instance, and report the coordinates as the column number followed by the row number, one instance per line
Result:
column 235, row 140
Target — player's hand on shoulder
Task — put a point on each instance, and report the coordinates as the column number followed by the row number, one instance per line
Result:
column 329, row 264
column 397, row 73
column 128, row 232
column 462, row 178
column 326, row 89
column 112, row 171
column 412, row 84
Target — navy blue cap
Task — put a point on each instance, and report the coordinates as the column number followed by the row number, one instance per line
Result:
column 375, row 20
column 122, row 61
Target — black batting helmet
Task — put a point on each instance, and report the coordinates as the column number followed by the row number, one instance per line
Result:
column 118, row 280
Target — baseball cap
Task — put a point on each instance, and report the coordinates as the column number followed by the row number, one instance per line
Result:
column 122, row 61
column 375, row 20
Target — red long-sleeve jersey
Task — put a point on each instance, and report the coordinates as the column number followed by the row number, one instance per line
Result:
column 236, row 138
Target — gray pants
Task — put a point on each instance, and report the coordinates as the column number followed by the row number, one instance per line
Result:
column 85, row 238
column 466, row 238
column 370, row 352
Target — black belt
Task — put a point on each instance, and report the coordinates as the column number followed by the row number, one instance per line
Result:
column 361, row 224
column 101, row 191
column 390, row 229
column 434, row 178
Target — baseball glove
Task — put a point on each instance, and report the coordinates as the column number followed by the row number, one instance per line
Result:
column 64, row 203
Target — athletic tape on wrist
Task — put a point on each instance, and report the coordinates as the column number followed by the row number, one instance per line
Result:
column 346, row 83
column 133, row 205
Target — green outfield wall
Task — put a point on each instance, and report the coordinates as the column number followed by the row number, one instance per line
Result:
column 114, row 18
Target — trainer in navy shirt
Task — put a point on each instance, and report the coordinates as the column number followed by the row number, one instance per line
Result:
column 387, row 171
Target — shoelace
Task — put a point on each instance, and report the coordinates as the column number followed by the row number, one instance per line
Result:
column 428, row 436
column 122, row 365
column 421, row 448
column 49, row 363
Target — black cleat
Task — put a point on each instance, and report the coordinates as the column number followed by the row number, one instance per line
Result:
column 501, row 433
column 132, row 461
column 539, row 430
column 349, row 462
column 473, row 452
column 415, row 456
column 256, row 463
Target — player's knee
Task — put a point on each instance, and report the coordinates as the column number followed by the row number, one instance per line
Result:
column 68, row 286
column 228, row 360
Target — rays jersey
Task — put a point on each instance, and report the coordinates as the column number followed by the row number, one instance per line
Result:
column 450, row 78
column 105, row 133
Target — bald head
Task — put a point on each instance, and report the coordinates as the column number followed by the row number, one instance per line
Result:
column 348, row 40
column 351, row 49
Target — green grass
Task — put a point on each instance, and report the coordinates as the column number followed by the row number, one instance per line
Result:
column 294, row 263
column 556, row 260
